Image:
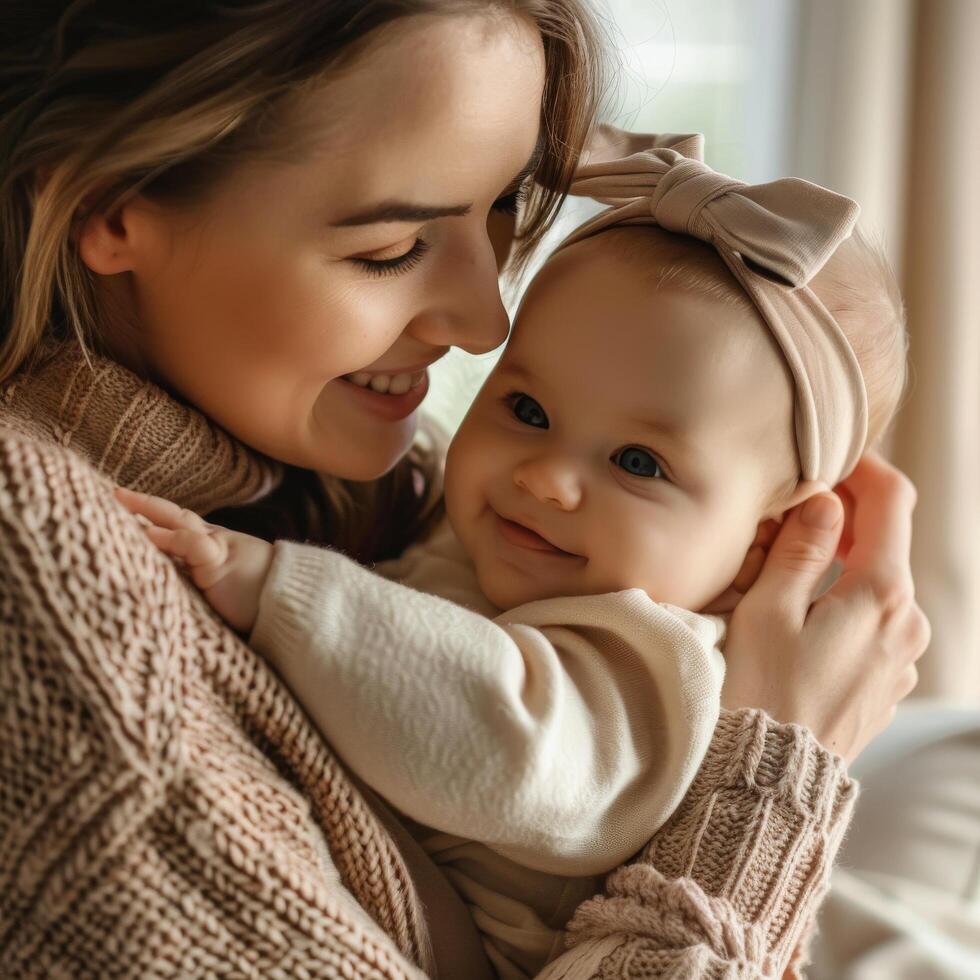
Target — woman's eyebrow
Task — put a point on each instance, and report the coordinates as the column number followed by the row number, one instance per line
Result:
column 391, row 211
column 394, row 211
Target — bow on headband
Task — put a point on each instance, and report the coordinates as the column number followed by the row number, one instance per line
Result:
column 774, row 238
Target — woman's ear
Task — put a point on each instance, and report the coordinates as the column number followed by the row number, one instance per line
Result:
column 107, row 242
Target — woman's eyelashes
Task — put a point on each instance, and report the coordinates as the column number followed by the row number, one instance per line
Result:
column 633, row 460
column 511, row 203
column 395, row 264
column 383, row 264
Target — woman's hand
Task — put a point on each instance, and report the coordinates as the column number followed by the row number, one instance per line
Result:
column 228, row 567
column 841, row 664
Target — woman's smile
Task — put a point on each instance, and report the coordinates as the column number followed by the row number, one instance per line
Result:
column 388, row 404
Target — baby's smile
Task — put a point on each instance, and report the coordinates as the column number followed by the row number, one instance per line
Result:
column 521, row 535
column 608, row 448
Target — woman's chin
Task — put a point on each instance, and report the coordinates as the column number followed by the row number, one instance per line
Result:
column 368, row 447
column 361, row 464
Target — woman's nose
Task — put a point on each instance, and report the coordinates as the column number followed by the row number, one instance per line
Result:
column 466, row 309
column 550, row 480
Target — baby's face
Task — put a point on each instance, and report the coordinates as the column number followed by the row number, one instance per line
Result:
column 631, row 436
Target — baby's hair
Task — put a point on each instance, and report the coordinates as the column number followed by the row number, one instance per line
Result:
column 856, row 285
column 861, row 292
column 668, row 260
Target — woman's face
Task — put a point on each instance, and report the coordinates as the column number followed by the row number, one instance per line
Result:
column 367, row 256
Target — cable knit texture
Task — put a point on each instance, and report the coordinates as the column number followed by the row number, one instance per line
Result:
column 165, row 808
column 728, row 887
column 167, row 811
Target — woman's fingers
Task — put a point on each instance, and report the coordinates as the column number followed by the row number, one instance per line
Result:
column 798, row 559
column 918, row 632
column 882, row 528
column 164, row 513
column 909, row 680
column 838, row 665
column 847, row 535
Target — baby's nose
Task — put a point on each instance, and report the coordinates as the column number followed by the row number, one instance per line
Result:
column 551, row 480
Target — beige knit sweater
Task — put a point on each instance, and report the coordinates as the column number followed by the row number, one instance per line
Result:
column 167, row 811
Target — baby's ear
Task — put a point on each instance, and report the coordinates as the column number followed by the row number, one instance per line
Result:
column 803, row 490
column 755, row 557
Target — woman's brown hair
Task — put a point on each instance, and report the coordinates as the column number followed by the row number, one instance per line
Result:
column 101, row 99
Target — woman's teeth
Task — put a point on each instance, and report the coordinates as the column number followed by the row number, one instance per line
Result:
column 386, row 384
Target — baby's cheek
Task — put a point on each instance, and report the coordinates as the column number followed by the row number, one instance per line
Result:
column 725, row 565
column 688, row 565
column 635, row 555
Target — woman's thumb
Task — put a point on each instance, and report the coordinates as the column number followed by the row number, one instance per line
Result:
column 800, row 556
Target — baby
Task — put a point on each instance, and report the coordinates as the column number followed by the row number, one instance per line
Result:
column 533, row 687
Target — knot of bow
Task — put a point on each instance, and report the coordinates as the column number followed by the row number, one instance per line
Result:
column 788, row 227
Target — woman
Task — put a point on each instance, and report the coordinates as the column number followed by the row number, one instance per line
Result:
column 222, row 226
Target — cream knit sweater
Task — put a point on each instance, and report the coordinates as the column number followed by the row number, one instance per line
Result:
column 536, row 748
column 167, row 811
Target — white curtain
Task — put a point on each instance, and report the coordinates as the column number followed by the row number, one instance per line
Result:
column 888, row 111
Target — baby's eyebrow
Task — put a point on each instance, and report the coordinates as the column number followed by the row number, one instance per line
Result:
column 519, row 371
column 675, row 431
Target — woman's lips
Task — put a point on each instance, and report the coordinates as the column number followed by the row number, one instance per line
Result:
column 524, row 537
column 391, row 407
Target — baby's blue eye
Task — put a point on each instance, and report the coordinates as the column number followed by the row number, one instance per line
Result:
column 528, row 411
column 638, row 462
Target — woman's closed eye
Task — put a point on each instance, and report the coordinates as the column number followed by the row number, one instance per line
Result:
column 405, row 255
column 511, row 202
column 396, row 258
column 637, row 461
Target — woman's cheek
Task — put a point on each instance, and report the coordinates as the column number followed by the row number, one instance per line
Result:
column 347, row 336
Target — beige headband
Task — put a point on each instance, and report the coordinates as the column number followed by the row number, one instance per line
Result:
column 774, row 238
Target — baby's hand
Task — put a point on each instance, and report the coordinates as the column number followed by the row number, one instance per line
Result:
column 228, row 567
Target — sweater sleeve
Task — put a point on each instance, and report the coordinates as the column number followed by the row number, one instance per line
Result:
column 144, row 832
column 728, row 886
column 560, row 734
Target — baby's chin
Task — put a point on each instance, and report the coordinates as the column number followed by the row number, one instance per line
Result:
column 504, row 597
column 508, row 591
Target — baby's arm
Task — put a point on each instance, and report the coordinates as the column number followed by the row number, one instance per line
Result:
column 562, row 734
column 228, row 567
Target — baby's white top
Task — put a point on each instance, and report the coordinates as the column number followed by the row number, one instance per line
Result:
column 533, row 749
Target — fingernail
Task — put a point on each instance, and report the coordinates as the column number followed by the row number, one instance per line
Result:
column 821, row 512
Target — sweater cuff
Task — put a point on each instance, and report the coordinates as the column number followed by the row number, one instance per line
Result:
column 300, row 592
column 744, row 861
column 762, row 823
column 777, row 763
